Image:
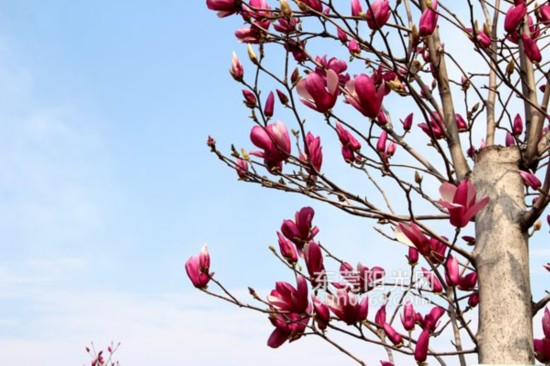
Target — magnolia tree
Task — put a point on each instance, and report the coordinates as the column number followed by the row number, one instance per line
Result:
column 461, row 192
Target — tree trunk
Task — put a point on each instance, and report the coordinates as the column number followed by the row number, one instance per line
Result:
column 501, row 256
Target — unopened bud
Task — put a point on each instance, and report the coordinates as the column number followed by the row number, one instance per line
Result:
column 286, row 10
column 417, row 177
column 537, row 225
column 510, row 67
column 252, row 55
column 245, row 155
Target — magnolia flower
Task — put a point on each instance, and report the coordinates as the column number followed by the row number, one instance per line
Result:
column 530, row 179
column 378, row 14
column 242, row 168
column 224, row 7
column 275, row 142
column 433, row 281
column 428, row 20
column 531, row 49
column 287, row 249
column 322, row 314
column 300, row 231
column 269, row 105
column 314, row 260
column 197, row 268
column 393, row 335
column 353, row 47
column 407, row 122
column 288, row 326
column 468, row 282
column 347, row 307
column 356, row 9
column 364, row 96
column 350, row 145
column 517, row 127
column 314, row 152
column 514, row 17
column 461, row 202
column 289, row 299
column 408, row 317
column 452, row 271
column 421, row 350
column 236, row 70
column 318, row 93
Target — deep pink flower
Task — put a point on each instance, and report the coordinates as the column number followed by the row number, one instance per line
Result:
column 530, row 179
column 546, row 323
column 269, row 105
column 517, row 127
column 197, row 268
column 318, row 93
column 350, row 145
column 393, row 335
column 364, row 96
column 342, row 36
column 275, row 142
column 287, row 249
column 224, row 7
column 412, row 256
column 431, row 320
column 473, row 300
column 314, row 260
column 288, row 326
column 510, row 140
column 347, row 307
column 468, row 282
column 356, row 9
column 297, row 48
column 380, row 317
column 433, row 281
column 242, row 168
column 543, row 13
column 381, row 144
column 322, row 314
column 334, row 64
column 408, row 121
column 531, row 49
column 251, row 35
column 236, row 70
column 378, row 14
column 421, row 350
column 514, row 17
column 289, row 299
column 434, row 127
column 282, row 97
column 542, row 349
column 461, row 202
column 483, row 38
column 386, row 363
column 249, row 98
column 408, row 317
column 428, row 20
column 300, row 231
column 390, row 149
column 353, row 47
column 461, row 124
column 413, row 236
column 452, row 271
column 313, row 4
column 314, row 153
column 286, row 26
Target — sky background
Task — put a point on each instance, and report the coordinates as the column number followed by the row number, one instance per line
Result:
column 107, row 187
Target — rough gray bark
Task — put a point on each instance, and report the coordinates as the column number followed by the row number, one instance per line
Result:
column 501, row 256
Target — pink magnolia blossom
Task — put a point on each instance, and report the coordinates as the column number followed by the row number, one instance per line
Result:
column 350, row 145
column 318, row 93
column 481, row 37
column 546, row 323
column 236, row 70
column 275, row 142
column 356, row 9
column 363, row 279
column 433, row 281
column 378, row 14
column 289, row 299
column 314, row 260
column 390, row 149
column 543, row 13
column 197, row 268
column 461, row 124
column 461, row 202
column 468, row 282
column 408, row 121
column 408, row 317
column 393, row 335
column 282, row 97
column 530, row 179
column 242, row 168
column 286, row 26
column 269, row 105
column 347, row 307
column 334, row 64
column 342, row 36
column 434, row 127
column 381, row 144
column 314, row 153
column 421, row 349
column 322, row 314
column 300, row 231
column 353, row 47
column 542, row 346
column 364, row 96
column 531, row 49
column 514, row 17
column 431, row 320
column 386, row 363
column 412, row 256
column 288, row 326
column 428, row 20
column 510, row 140
column 411, row 235
column 517, row 127
column 473, row 300
column 316, row 5
column 287, row 249
column 249, row 98
column 224, row 7
column 380, row 317
column 452, row 271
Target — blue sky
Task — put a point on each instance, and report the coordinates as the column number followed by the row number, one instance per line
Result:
column 107, row 187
